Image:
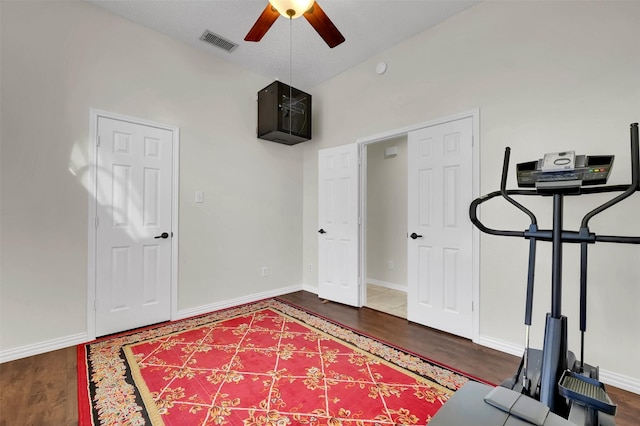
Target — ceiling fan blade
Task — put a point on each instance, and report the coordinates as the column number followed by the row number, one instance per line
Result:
column 323, row 25
column 262, row 25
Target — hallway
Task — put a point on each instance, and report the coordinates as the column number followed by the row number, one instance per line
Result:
column 387, row 300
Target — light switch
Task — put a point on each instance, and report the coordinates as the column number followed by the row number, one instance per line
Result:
column 199, row 197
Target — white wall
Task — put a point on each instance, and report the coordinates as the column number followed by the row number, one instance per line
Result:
column 59, row 59
column 546, row 76
column 387, row 213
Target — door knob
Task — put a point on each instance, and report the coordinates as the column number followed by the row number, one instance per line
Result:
column 414, row 236
column 322, row 231
column 164, row 235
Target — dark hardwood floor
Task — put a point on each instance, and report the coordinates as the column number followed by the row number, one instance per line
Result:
column 42, row 390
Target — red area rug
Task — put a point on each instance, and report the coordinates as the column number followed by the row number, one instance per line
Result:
column 264, row 363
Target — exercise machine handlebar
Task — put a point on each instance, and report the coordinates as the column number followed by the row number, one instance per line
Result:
column 635, row 180
column 566, row 236
column 503, row 187
column 584, row 229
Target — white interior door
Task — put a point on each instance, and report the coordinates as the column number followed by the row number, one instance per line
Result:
column 133, row 234
column 440, row 258
column 338, row 224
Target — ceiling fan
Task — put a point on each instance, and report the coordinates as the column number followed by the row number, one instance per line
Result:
column 294, row 9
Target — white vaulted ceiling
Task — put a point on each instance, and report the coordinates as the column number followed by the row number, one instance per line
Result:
column 369, row 27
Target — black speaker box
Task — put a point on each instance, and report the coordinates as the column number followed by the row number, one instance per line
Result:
column 284, row 114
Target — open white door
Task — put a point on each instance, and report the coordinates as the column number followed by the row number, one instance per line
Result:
column 133, row 225
column 338, row 224
column 440, row 249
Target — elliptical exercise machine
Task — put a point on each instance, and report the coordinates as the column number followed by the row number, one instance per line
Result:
column 551, row 386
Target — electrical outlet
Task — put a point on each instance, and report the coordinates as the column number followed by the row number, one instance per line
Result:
column 390, row 264
column 265, row 271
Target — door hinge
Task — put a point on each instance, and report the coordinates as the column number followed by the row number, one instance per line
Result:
column 98, row 141
column 95, row 305
column 97, row 221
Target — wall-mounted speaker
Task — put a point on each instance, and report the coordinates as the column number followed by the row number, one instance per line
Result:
column 284, row 114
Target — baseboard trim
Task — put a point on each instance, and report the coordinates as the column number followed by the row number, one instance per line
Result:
column 608, row 377
column 500, row 345
column 386, row 284
column 310, row 288
column 618, row 380
column 205, row 309
column 43, row 347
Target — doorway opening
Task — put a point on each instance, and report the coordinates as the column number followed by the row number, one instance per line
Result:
column 386, row 250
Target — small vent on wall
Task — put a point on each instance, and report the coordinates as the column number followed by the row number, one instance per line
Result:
column 218, row 41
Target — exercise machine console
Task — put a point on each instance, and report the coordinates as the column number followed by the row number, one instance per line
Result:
column 552, row 386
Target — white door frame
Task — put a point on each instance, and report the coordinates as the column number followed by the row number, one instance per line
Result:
column 403, row 131
column 94, row 115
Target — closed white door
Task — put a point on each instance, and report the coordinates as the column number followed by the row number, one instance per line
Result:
column 338, row 224
column 440, row 252
column 133, row 234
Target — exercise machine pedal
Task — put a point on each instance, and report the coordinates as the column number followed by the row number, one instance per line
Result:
column 586, row 391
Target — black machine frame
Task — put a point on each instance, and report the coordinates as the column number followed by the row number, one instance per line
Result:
column 548, row 381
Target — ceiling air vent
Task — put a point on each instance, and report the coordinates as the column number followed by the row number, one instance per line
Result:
column 218, row 41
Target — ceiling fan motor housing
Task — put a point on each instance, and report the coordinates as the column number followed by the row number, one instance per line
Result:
column 291, row 8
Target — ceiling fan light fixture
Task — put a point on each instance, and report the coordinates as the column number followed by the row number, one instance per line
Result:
column 291, row 9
